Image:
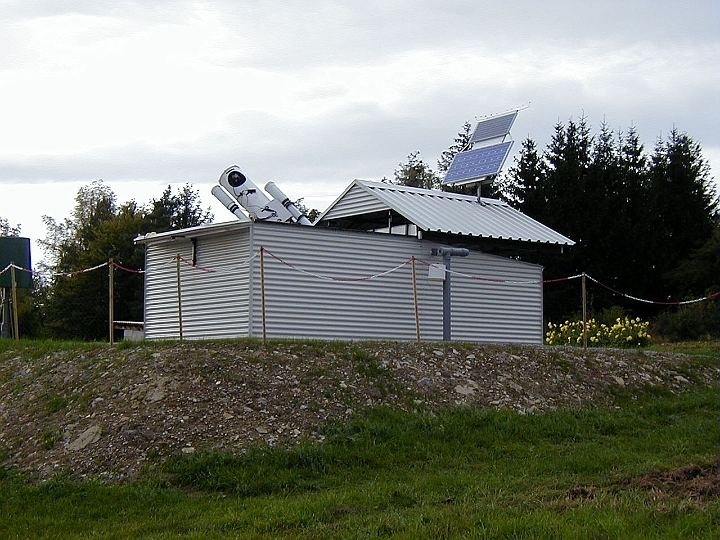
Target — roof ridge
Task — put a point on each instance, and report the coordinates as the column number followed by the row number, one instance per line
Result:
column 429, row 192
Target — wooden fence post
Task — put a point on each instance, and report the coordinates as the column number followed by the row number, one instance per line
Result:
column 111, row 301
column 415, row 298
column 584, row 311
column 262, row 293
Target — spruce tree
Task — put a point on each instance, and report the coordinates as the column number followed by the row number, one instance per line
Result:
column 642, row 225
column 461, row 142
column 683, row 205
column 523, row 186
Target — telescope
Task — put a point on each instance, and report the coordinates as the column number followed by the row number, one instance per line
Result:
column 236, row 188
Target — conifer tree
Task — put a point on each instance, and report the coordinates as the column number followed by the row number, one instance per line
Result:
column 461, row 142
column 523, row 185
column 491, row 187
column 638, row 222
column 177, row 211
column 683, row 202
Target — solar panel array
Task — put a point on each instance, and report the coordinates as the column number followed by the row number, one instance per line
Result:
column 485, row 158
column 498, row 126
column 473, row 165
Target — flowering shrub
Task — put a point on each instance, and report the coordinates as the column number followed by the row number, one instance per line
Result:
column 624, row 333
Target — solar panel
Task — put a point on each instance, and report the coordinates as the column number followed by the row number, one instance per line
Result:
column 498, row 126
column 472, row 165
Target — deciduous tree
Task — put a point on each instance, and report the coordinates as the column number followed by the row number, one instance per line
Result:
column 416, row 173
column 97, row 232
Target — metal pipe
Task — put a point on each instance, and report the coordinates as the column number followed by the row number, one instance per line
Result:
column 415, row 298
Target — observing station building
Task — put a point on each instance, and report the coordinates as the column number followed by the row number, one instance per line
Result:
column 384, row 262
column 369, row 268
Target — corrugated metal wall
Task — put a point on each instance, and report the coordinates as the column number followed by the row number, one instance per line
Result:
column 299, row 304
column 214, row 304
column 496, row 311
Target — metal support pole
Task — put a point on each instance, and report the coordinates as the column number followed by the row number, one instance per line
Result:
column 446, row 254
column 447, row 300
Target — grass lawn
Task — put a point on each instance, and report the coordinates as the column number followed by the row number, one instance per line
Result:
column 596, row 473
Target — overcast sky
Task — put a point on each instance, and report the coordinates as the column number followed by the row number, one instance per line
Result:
column 313, row 94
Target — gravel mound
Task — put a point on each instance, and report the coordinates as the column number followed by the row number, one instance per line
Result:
column 105, row 412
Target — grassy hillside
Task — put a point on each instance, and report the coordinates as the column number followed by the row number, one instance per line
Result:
column 349, row 440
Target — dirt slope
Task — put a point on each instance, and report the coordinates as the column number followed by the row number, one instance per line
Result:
column 104, row 412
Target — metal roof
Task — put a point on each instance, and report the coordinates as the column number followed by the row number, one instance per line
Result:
column 442, row 212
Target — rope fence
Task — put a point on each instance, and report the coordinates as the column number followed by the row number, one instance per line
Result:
column 177, row 260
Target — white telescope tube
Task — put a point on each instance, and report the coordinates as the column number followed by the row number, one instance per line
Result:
column 229, row 203
column 275, row 191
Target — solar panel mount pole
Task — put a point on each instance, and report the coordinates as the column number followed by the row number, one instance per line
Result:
column 446, row 254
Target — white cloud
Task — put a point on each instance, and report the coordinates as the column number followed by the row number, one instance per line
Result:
column 314, row 94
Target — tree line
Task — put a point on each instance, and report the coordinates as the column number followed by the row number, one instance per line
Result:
column 98, row 230
column 644, row 223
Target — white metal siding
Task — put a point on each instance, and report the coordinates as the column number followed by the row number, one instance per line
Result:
column 300, row 305
column 214, row 304
column 161, row 305
column 506, row 310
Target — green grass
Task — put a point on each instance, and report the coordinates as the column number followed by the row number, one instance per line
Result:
column 465, row 473
column 37, row 348
column 694, row 348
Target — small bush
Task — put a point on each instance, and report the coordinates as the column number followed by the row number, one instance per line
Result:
column 690, row 322
column 624, row 333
